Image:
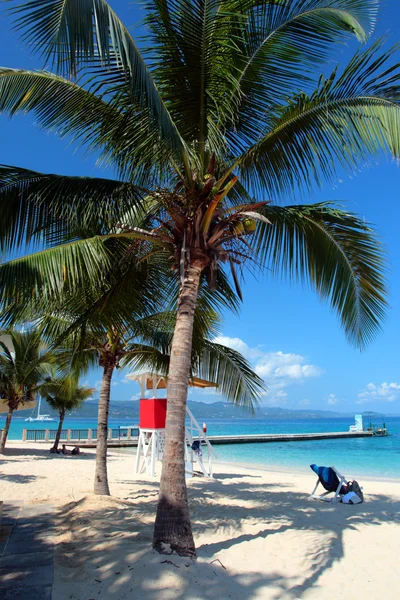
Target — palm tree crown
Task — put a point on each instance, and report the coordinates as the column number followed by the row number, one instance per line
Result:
column 64, row 393
column 25, row 362
column 226, row 101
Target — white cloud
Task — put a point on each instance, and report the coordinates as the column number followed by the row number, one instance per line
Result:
column 114, row 383
column 278, row 369
column 305, row 402
column 279, row 365
column 126, row 380
column 332, row 400
column 240, row 346
column 385, row 392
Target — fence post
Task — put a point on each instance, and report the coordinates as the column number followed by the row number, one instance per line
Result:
column 68, row 435
column 89, row 438
column 109, row 436
column 129, row 433
column 24, row 435
column 46, row 435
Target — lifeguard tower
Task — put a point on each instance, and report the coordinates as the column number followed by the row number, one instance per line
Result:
column 152, row 418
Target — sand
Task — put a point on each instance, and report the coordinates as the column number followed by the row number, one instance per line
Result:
column 257, row 533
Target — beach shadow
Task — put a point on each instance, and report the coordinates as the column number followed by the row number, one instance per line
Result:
column 288, row 511
column 128, row 567
column 18, row 478
column 37, row 452
column 42, row 453
column 127, row 564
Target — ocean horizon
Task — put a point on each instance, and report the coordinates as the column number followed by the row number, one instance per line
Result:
column 376, row 457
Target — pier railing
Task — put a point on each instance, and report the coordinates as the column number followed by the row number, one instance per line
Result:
column 78, row 435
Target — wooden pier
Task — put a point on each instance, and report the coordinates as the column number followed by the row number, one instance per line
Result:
column 85, row 438
column 262, row 438
column 285, row 437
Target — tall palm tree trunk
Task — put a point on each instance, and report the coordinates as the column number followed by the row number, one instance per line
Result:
column 172, row 524
column 6, row 430
column 101, row 479
column 60, row 424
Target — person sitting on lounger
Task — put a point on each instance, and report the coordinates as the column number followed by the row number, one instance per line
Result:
column 76, row 450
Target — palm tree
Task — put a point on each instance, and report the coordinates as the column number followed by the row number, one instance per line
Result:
column 64, row 394
column 24, row 364
column 225, row 107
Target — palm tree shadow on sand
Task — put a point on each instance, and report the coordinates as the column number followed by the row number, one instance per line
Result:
column 106, row 549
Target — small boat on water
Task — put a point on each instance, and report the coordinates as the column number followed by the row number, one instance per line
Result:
column 39, row 417
column 367, row 422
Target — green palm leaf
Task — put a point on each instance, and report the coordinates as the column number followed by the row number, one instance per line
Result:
column 88, row 34
column 25, row 366
column 121, row 134
column 44, row 207
column 234, row 377
column 231, row 371
column 348, row 119
column 282, row 42
column 77, row 265
column 64, row 393
column 59, row 104
column 334, row 251
column 192, row 44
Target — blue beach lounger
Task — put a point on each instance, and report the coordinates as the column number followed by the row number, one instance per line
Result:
column 331, row 480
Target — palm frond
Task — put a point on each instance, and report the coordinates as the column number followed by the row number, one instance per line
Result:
column 334, row 251
column 281, row 44
column 187, row 62
column 232, row 373
column 64, row 393
column 146, row 357
column 47, row 274
column 216, row 363
column 76, row 34
column 349, row 118
column 62, row 106
column 25, row 364
column 53, row 208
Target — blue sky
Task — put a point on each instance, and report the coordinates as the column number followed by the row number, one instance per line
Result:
column 294, row 341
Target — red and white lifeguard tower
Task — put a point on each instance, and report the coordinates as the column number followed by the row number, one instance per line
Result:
column 152, row 418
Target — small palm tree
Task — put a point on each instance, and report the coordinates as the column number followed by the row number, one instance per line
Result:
column 225, row 107
column 25, row 362
column 64, row 394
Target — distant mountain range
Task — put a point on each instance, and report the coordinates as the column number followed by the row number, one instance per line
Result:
column 129, row 409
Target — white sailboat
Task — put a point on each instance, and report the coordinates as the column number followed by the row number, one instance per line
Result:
column 39, row 417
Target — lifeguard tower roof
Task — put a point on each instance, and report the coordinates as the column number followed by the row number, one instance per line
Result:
column 157, row 381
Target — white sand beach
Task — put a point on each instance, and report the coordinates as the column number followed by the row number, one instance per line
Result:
column 258, row 536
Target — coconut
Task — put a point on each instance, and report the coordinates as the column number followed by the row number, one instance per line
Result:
column 249, row 225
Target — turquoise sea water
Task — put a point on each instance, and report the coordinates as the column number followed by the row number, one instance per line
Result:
column 378, row 457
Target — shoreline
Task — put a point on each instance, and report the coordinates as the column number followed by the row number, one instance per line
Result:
column 275, row 468
column 295, row 470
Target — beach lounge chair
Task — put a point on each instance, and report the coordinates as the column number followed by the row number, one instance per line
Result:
column 331, row 480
